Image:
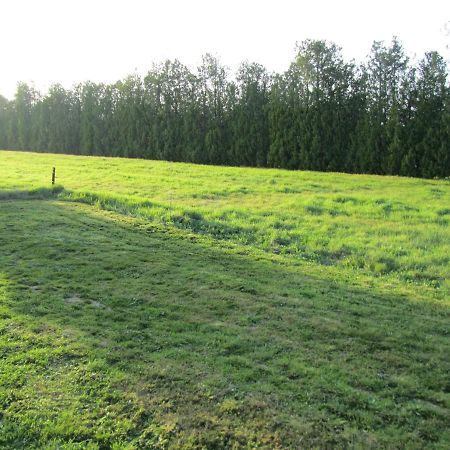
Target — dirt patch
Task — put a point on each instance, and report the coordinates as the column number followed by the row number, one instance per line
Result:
column 97, row 304
column 73, row 300
column 104, row 343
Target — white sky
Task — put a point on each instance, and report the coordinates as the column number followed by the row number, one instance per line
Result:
column 67, row 41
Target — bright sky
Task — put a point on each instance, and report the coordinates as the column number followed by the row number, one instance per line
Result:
column 70, row 41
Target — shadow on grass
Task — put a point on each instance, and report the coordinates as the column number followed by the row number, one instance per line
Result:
column 186, row 219
column 41, row 193
column 270, row 239
column 183, row 342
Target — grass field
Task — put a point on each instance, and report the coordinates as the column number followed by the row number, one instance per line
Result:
column 159, row 305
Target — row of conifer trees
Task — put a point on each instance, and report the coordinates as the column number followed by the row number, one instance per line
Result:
column 385, row 116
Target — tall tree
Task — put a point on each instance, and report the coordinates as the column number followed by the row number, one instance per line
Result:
column 24, row 101
column 250, row 118
column 213, row 90
column 4, row 121
column 386, row 71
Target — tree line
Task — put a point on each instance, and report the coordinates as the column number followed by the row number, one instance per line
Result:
column 385, row 116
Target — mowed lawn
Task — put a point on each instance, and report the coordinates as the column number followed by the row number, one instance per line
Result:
column 159, row 305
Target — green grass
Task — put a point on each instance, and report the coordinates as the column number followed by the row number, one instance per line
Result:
column 383, row 226
column 158, row 305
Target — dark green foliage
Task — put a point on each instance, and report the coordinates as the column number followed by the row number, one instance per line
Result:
column 384, row 117
column 4, row 121
column 250, row 119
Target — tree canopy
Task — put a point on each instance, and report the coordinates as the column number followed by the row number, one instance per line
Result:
column 386, row 116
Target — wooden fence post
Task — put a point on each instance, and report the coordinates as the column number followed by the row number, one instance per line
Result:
column 53, row 175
